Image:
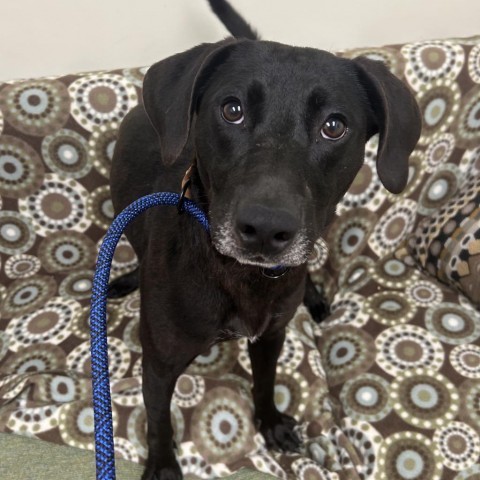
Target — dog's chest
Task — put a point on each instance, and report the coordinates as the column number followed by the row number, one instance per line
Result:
column 254, row 321
column 252, row 308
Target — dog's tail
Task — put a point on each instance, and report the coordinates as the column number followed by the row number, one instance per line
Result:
column 232, row 20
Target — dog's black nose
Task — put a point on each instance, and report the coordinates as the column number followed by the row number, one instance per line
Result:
column 265, row 230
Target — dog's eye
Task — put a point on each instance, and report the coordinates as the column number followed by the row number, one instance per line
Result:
column 232, row 112
column 334, row 128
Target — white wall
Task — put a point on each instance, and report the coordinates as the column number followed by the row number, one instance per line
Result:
column 48, row 37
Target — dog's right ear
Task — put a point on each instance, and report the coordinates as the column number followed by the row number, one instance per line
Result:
column 170, row 91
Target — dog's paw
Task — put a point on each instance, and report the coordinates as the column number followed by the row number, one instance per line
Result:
column 122, row 286
column 170, row 472
column 279, row 433
column 315, row 302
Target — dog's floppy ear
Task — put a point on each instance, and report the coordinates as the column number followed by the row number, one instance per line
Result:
column 397, row 119
column 169, row 93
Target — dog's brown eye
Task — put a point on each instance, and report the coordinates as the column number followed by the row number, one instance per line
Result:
column 232, row 112
column 334, row 128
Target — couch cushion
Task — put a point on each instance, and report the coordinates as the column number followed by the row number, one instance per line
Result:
column 447, row 244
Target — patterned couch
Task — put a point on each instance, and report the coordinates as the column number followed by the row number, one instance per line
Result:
column 388, row 386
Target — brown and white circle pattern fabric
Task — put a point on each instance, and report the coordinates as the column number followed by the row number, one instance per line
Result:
column 305, row 469
column 470, row 163
column 409, row 455
column 366, row 397
column 63, row 389
column 453, row 324
column 355, row 274
column 135, row 75
column 126, row 450
column 16, row 233
column 219, row 359
column 61, row 252
column 131, row 335
column 99, row 99
column 27, row 295
column 76, row 424
column 293, row 352
column 189, row 390
column 291, row 391
column 438, row 151
column 424, row 293
column 390, row 308
column 102, row 145
column 424, row 398
column 58, row 204
column 178, row 422
column 440, row 188
column 35, row 420
column 474, row 64
column 100, row 207
column 49, row 324
column 124, row 258
column 318, row 256
column 348, row 238
column 36, row 358
column 3, row 345
column 439, row 104
column 429, row 61
column 194, row 465
column 77, row 285
column 131, row 305
column 393, row 227
column 220, row 426
column 22, row 266
column 347, row 309
column 366, row 190
column 127, row 392
column 468, row 124
column 66, row 153
column 264, row 462
column 366, row 441
column 346, row 352
column 404, row 347
column 21, row 169
column 416, row 173
column 470, row 473
column 392, row 273
column 469, row 392
column 137, row 430
column 302, row 326
column 465, row 359
column 36, row 107
column 459, row 445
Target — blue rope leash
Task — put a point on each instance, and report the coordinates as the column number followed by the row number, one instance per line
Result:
column 102, row 408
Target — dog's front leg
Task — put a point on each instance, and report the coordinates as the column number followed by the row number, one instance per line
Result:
column 276, row 427
column 159, row 380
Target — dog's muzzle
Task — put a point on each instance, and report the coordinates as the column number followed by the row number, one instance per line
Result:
column 265, row 231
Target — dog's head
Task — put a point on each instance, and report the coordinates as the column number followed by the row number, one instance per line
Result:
column 278, row 134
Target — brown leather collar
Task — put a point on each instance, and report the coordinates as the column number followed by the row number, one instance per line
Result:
column 186, row 179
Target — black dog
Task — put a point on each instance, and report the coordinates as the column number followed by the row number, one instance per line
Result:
column 274, row 136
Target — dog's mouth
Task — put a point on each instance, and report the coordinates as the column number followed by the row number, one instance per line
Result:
column 227, row 243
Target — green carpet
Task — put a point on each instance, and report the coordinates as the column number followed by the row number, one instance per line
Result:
column 31, row 459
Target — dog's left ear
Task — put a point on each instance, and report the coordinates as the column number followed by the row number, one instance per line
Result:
column 397, row 119
column 170, row 90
